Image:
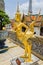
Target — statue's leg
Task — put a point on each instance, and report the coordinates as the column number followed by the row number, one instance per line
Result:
column 27, row 55
column 29, row 51
column 25, row 49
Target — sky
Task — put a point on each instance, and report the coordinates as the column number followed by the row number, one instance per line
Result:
column 11, row 6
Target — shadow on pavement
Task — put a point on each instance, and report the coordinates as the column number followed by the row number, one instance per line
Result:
column 3, row 50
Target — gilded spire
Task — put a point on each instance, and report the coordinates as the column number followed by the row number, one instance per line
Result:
column 17, row 7
column 18, row 15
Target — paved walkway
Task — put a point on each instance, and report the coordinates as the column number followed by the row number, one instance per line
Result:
column 12, row 53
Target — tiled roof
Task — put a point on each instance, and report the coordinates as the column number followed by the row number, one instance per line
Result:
column 33, row 17
column 12, row 22
column 39, row 18
column 28, row 18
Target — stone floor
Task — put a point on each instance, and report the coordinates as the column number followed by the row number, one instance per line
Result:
column 7, row 56
column 10, row 54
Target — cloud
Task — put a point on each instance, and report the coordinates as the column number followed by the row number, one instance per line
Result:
column 36, row 6
column 24, row 7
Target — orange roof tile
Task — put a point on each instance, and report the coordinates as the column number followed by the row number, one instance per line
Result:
column 33, row 17
column 39, row 18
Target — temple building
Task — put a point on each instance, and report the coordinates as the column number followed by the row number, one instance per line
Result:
column 2, row 5
column 38, row 27
column 27, row 19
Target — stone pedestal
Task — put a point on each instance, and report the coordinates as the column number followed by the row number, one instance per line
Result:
column 22, row 61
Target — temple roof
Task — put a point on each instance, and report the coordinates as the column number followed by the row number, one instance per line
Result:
column 29, row 19
column 33, row 17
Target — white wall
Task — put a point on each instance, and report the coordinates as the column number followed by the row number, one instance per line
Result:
column 8, row 27
column 37, row 30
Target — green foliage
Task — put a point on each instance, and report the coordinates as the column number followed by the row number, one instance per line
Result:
column 4, row 18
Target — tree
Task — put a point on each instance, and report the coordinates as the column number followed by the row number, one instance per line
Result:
column 4, row 19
